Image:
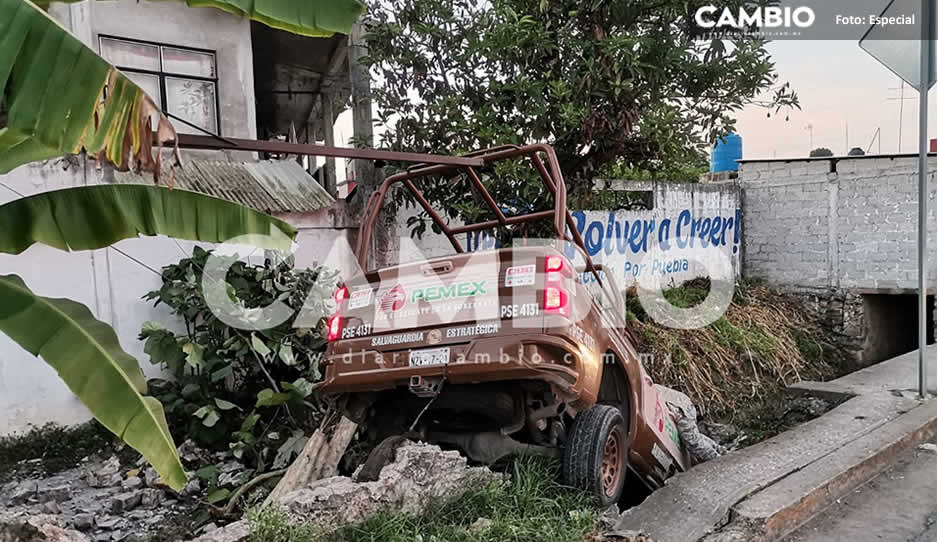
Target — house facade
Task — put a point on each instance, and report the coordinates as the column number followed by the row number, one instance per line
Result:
column 213, row 74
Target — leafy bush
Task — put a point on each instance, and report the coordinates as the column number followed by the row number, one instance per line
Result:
column 247, row 392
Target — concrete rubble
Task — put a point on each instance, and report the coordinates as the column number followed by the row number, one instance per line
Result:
column 419, row 474
column 99, row 500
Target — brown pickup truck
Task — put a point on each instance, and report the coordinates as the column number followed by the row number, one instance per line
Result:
column 504, row 351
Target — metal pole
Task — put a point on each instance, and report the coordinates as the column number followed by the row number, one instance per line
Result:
column 924, row 76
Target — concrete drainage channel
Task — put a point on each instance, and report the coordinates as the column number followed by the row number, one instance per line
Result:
column 765, row 491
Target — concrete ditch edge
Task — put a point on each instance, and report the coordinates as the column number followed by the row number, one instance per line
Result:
column 776, row 511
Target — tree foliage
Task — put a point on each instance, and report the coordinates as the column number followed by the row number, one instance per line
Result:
column 821, row 151
column 607, row 83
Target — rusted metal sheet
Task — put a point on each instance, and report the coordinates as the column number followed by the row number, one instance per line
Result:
column 269, row 186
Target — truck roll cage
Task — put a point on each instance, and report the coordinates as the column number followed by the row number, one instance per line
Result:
column 549, row 173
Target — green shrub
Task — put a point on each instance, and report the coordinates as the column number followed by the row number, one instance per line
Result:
column 242, row 391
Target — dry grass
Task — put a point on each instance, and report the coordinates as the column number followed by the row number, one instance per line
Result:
column 764, row 342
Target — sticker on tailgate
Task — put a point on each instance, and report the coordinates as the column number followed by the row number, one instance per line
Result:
column 520, row 275
column 360, row 298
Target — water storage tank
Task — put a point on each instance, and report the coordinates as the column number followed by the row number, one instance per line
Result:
column 725, row 154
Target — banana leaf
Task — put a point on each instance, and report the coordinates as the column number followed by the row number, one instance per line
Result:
column 314, row 18
column 92, row 217
column 54, row 101
column 87, row 356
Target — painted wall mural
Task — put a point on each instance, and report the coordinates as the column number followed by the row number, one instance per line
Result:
column 673, row 245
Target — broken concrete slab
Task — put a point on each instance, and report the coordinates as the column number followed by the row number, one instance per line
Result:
column 420, row 474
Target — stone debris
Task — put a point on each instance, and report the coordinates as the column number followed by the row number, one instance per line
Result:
column 35, row 528
column 83, row 522
column 24, row 492
column 96, row 500
column 125, row 502
column 419, row 474
column 132, row 483
column 51, row 507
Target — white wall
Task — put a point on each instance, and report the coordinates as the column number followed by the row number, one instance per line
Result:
column 109, row 281
column 106, row 281
column 173, row 23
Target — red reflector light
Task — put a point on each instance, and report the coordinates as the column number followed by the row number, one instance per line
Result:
column 555, row 300
column 341, row 294
column 335, row 326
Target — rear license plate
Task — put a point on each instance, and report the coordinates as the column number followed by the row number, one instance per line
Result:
column 430, row 356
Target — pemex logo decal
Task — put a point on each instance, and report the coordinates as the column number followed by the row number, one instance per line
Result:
column 393, row 300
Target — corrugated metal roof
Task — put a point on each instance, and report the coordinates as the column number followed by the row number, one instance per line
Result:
column 270, row 186
column 290, row 185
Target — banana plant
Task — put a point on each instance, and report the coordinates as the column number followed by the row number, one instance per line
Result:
column 57, row 96
column 83, row 350
column 313, row 18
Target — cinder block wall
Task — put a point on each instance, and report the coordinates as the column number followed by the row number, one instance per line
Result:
column 834, row 230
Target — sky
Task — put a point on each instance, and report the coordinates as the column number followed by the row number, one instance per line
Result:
column 845, row 96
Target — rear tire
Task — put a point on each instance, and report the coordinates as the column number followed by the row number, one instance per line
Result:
column 594, row 457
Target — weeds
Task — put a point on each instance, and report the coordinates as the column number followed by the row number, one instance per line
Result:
column 533, row 505
column 764, row 342
column 271, row 524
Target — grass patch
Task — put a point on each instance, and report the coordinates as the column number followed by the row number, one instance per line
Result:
column 530, row 505
column 271, row 524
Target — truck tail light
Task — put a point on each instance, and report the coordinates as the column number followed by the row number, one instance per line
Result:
column 335, row 327
column 335, row 323
column 556, row 300
column 554, row 263
column 340, row 295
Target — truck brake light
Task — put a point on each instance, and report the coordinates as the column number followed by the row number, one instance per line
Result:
column 555, row 295
column 335, row 326
column 341, row 294
column 554, row 263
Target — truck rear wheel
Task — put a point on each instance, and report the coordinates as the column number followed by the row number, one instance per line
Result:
column 594, row 457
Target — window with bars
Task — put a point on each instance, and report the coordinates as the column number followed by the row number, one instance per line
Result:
column 183, row 81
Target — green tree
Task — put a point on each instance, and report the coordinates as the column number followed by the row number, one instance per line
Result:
column 607, row 83
column 821, row 151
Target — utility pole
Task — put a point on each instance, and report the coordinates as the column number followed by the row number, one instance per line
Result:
column 902, row 98
column 925, row 71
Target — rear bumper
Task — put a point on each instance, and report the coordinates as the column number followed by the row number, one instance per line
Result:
column 574, row 373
